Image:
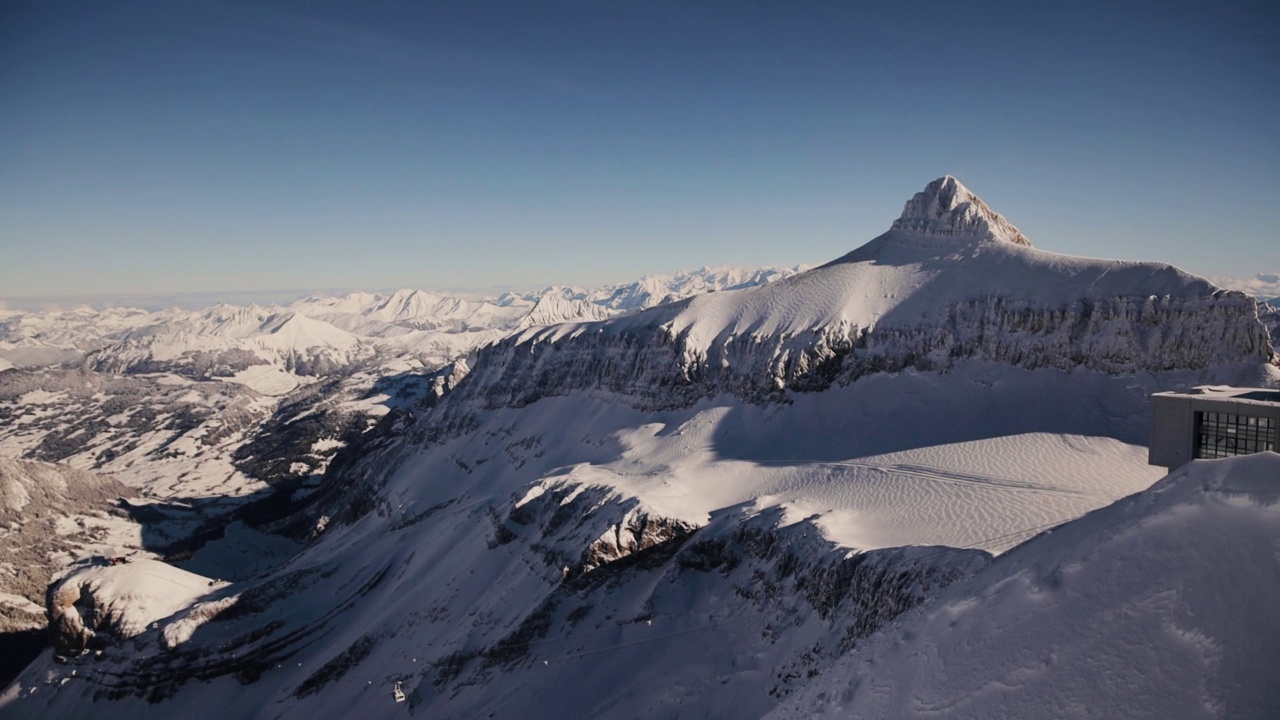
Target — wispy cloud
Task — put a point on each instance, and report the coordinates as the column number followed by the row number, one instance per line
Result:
column 1262, row 285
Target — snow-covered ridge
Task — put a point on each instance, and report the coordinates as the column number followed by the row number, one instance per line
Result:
column 96, row 598
column 201, row 403
column 317, row 335
column 923, row 299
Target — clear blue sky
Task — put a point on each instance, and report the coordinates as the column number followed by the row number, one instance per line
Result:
column 196, row 146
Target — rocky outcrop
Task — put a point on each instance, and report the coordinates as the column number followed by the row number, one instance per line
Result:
column 946, row 208
column 855, row 592
column 654, row 367
column 581, row 528
column 48, row 514
column 783, row 576
column 100, row 602
column 951, row 281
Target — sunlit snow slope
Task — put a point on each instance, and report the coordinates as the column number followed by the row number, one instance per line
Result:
column 951, row 280
column 1160, row 606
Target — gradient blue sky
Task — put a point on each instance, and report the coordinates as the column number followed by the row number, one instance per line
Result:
column 197, row 146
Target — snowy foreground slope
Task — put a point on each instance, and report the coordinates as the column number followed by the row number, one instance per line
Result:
column 1162, row 605
column 694, row 510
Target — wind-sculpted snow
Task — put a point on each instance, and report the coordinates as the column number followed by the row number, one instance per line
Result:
column 1161, row 605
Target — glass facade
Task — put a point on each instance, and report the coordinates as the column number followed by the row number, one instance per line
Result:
column 1220, row 435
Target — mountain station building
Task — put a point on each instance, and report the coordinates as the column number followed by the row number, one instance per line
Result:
column 1212, row 421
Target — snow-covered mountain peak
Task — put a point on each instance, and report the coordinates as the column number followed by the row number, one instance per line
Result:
column 947, row 208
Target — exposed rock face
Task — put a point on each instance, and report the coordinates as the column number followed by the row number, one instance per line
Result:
column 856, row 592
column 491, row 571
column 946, row 208
column 48, row 514
column 655, row 367
column 1269, row 313
column 582, row 528
column 950, row 281
column 787, row 575
column 636, row 532
column 98, row 603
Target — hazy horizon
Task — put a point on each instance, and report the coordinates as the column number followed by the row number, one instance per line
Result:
column 151, row 148
column 1263, row 285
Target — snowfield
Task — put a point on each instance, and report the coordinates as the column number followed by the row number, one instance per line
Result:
column 976, row 493
column 1160, row 606
column 317, row 334
column 870, row 488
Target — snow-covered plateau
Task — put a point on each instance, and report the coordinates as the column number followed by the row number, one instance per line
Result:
column 825, row 493
column 1161, row 605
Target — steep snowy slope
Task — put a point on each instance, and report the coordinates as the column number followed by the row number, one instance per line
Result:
column 950, row 280
column 671, row 564
column 1161, row 606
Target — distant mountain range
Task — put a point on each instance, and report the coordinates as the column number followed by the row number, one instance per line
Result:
column 438, row 327
column 219, row 403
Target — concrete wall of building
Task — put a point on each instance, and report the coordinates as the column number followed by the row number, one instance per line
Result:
column 1173, row 424
column 1172, row 431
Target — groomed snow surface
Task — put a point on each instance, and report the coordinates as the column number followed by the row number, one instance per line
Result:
column 1163, row 605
